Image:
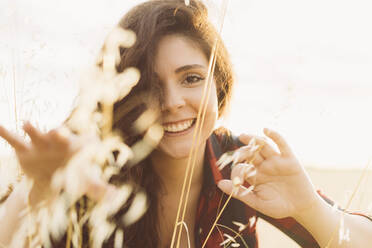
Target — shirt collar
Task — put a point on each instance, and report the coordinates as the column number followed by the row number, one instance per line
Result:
column 213, row 152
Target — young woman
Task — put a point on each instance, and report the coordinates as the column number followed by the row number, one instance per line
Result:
column 174, row 44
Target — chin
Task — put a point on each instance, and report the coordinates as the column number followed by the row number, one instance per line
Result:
column 179, row 149
column 175, row 151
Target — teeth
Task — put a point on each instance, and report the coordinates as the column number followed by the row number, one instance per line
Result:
column 173, row 128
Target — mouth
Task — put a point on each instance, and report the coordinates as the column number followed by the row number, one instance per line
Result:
column 180, row 127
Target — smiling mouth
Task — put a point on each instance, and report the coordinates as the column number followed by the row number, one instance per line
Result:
column 179, row 126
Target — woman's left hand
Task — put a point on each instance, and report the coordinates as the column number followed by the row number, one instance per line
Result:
column 281, row 187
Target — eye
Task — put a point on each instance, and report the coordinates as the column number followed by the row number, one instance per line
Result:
column 193, row 79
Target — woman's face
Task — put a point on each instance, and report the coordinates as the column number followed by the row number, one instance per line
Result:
column 182, row 69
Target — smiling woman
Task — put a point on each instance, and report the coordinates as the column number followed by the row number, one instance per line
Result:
column 182, row 69
column 233, row 180
column 175, row 73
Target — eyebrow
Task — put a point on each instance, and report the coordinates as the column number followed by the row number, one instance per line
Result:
column 188, row 67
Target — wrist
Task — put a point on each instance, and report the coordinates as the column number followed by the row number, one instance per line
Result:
column 317, row 207
column 39, row 192
column 321, row 220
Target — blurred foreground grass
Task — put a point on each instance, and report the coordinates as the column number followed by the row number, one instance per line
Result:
column 336, row 184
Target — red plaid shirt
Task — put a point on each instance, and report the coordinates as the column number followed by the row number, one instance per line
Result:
column 212, row 199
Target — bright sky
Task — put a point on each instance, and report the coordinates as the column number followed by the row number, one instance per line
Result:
column 303, row 68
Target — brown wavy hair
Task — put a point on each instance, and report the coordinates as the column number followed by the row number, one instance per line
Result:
column 151, row 21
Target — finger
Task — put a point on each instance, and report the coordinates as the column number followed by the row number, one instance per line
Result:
column 57, row 137
column 246, row 138
column 247, row 154
column 238, row 192
column 256, row 159
column 284, row 148
column 63, row 139
column 246, row 195
column 252, row 139
column 238, row 171
column 266, row 149
column 245, row 172
column 36, row 136
column 14, row 140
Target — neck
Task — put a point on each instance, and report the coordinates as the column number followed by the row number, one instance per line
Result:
column 172, row 171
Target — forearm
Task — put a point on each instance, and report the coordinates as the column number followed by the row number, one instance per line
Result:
column 333, row 228
column 10, row 214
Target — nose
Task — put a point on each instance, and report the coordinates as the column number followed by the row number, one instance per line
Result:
column 173, row 99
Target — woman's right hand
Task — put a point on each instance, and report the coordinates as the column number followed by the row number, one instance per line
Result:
column 42, row 156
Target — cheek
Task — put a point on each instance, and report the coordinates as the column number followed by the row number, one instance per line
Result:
column 212, row 106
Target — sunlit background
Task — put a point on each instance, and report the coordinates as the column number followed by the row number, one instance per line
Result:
column 303, row 68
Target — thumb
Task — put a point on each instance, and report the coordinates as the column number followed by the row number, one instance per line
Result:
column 241, row 193
column 226, row 186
